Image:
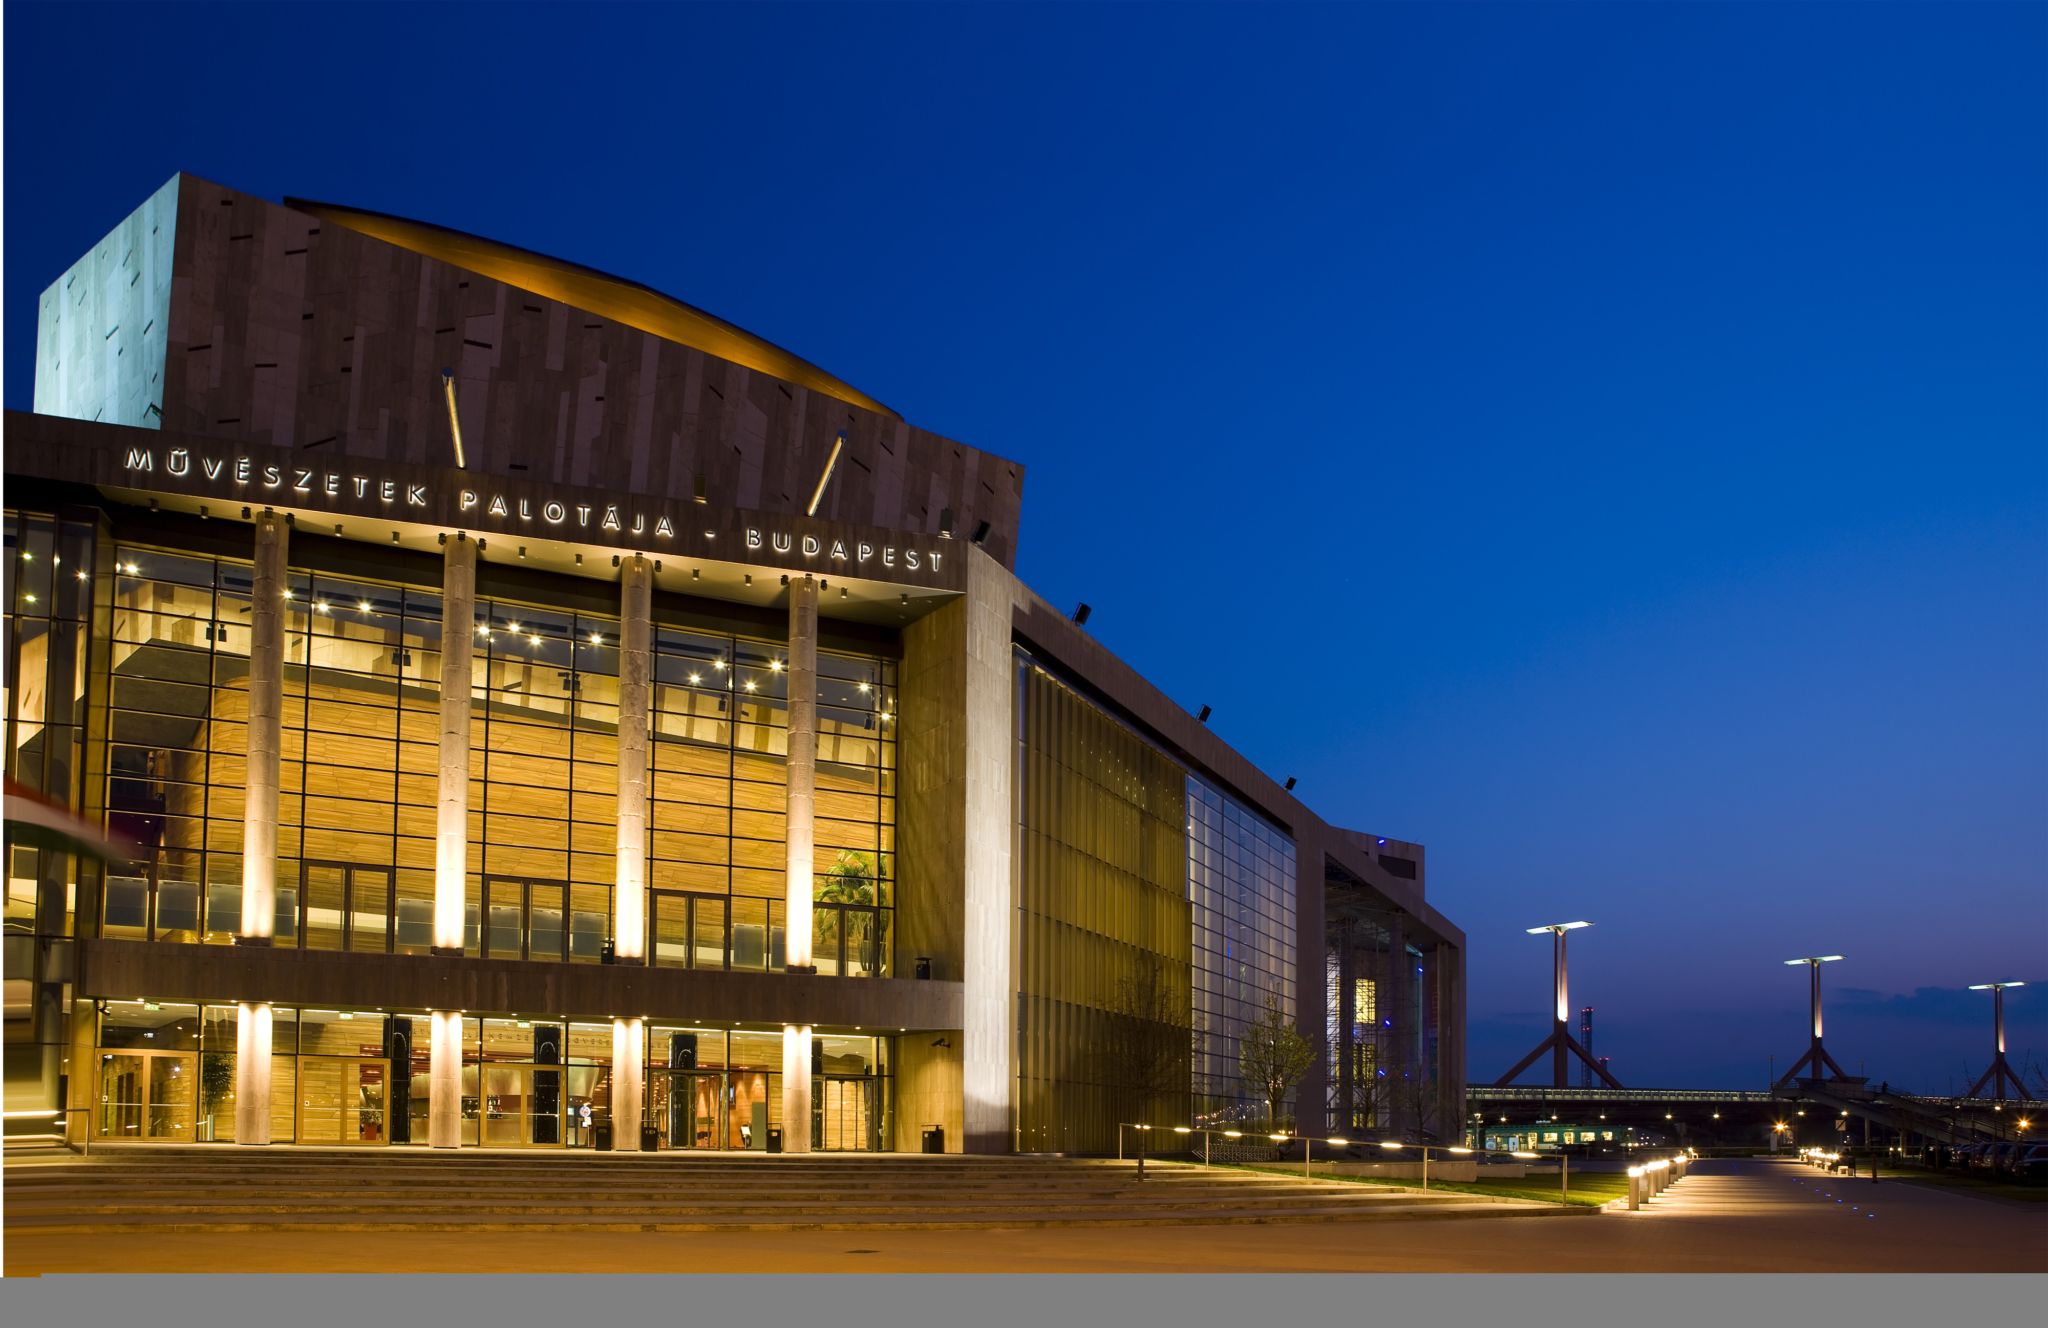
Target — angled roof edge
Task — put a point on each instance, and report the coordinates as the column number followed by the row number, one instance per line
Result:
column 617, row 298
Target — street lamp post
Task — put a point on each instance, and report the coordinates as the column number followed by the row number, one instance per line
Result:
column 2000, row 1074
column 1561, row 1045
column 1816, row 1055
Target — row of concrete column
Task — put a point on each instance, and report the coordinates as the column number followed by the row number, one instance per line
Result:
column 451, row 857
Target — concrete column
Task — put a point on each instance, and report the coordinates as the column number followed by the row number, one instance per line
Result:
column 451, row 828
column 802, row 769
column 266, row 714
column 444, row 1079
column 629, row 930
column 252, row 1072
column 451, row 825
column 796, row 1088
column 989, row 1034
column 259, row 815
column 629, row 1045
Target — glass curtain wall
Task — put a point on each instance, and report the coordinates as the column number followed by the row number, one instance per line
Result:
column 360, row 1077
column 48, row 595
column 1103, row 934
column 1241, row 884
column 356, row 774
column 720, row 741
column 359, row 771
column 543, row 794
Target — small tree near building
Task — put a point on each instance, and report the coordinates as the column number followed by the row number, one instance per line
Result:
column 1273, row 1058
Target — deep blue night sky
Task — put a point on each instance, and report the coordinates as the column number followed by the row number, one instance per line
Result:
column 1608, row 444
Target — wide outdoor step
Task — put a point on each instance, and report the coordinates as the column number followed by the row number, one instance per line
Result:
column 223, row 1190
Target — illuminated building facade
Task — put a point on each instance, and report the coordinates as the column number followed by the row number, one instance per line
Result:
column 542, row 714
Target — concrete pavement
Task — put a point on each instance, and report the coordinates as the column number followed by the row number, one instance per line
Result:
column 1746, row 1216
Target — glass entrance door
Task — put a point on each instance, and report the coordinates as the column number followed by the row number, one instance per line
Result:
column 147, row 1095
column 522, row 1106
column 696, row 1109
column 846, row 1114
column 342, row 1100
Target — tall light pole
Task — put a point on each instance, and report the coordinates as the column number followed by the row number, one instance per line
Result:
column 1816, row 1055
column 1561, row 1045
column 2000, row 1074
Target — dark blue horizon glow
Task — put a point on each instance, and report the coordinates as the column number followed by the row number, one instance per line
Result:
column 1607, row 444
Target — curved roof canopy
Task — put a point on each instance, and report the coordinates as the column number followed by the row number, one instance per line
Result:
column 623, row 301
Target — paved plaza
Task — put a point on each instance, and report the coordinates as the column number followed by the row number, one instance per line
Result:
column 1728, row 1216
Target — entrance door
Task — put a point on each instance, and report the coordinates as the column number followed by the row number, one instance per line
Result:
column 846, row 1116
column 522, row 1106
column 148, row 1095
column 696, row 1109
column 342, row 1100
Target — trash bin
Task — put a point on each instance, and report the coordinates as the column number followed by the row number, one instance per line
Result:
column 775, row 1138
column 935, row 1139
column 650, row 1138
column 601, row 1136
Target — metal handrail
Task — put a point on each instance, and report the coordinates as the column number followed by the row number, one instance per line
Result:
column 1308, row 1143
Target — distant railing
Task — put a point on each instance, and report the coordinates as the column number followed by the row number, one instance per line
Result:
column 1186, row 1135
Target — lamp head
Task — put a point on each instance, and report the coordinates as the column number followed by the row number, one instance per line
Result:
column 1556, row 927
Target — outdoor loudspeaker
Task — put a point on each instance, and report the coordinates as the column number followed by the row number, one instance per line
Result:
column 682, row 1051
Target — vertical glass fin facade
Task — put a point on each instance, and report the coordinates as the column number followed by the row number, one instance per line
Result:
column 1103, row 925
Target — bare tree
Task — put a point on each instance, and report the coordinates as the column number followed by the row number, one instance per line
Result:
column 1145, row 1053
column 1274, row 1056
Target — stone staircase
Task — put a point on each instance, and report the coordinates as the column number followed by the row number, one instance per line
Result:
column 222, row 1189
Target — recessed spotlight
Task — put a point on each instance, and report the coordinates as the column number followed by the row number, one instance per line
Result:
column 365, row 606
column 597, row 638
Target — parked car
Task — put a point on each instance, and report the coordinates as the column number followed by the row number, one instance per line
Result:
column 2033, row 1163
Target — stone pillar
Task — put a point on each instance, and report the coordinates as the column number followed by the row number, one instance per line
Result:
column 796, row 1088
column 451, row 828
column 799, row 830
column 252, row 1072
column 989, row 729
column 451, row 825
column 802, row 768
column 629, row 1045
column 629, row 930
column 259, row 815
column 265, row 737
column 444, row 1079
